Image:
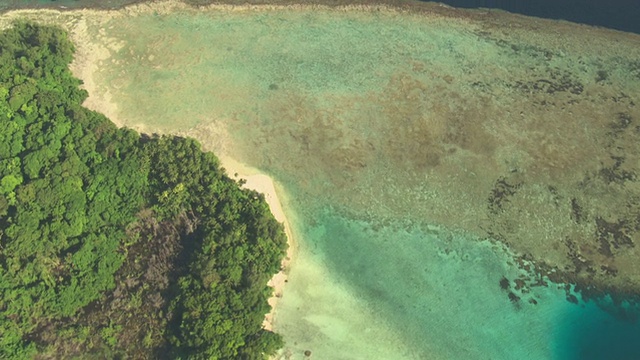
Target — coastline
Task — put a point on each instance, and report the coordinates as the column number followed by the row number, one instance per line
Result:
column 92, row 51
column 86, row 66
column 254, row 180
column 90, row 68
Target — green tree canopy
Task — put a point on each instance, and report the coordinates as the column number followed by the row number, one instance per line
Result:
column 104, row 255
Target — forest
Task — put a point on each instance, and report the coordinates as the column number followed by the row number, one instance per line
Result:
column 115, row 244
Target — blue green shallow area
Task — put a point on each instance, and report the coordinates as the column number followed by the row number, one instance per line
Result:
column 441, row 292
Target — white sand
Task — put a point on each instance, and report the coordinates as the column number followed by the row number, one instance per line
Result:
column 265, row 185
column 322, row 314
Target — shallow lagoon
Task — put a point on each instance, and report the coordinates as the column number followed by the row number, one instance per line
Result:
column 430, row 294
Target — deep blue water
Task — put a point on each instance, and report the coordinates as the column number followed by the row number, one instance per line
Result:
column 615, row 14
column 588, row 333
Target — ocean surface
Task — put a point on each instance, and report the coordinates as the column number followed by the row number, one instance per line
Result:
column 332, row 105
column 614, row 14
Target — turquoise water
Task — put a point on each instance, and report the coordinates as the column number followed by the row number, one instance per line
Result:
column 442, row 292
column 345, row 128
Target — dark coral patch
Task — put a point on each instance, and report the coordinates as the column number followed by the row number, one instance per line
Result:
column 504, row 283
column 514, row 298
column 500, row 194
column 572, row 299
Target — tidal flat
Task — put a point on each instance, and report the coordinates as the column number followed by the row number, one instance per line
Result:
column 460, row 184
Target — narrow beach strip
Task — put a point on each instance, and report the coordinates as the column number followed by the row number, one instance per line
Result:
column 254, row 180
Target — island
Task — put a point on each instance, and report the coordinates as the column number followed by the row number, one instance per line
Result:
column 116, row 244
column 459, row 183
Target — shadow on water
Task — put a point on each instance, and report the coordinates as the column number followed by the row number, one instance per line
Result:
column 586, row 332
column 615, row 14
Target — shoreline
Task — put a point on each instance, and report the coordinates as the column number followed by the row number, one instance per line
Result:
column 264, row 184
column 91, row 51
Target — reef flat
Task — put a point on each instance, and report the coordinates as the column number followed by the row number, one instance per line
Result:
column 526, row 136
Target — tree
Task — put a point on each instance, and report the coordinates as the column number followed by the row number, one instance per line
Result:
column 102, row 230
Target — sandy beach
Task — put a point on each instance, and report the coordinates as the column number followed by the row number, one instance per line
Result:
column 265, row 185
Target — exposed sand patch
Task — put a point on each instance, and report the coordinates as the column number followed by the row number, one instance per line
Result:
column 321, row 314
column 90, row 54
